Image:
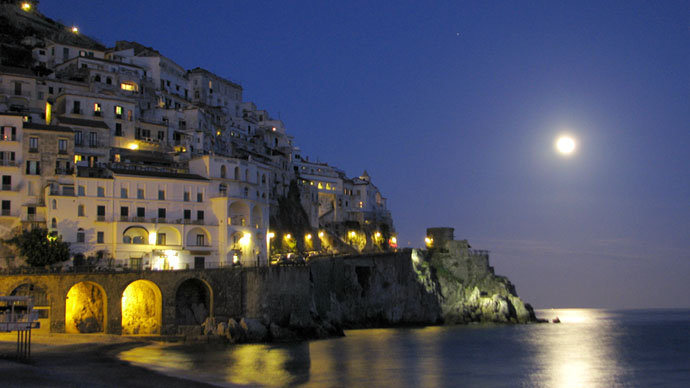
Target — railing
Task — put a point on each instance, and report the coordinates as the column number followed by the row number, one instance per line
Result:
column 9, row 163
column 478, row 252
column 64, row 171
column 6, row 187
column 5, row 212
column 100, row 218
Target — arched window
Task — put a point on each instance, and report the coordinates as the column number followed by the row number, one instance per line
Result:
column 53, row 223
column 80, row 235
column 237, row 173
column 54, row 204
column 246, row 175
column 222, row 171
column 108, row 81
column 80, row 210
column 263, row 179
column 97, row 78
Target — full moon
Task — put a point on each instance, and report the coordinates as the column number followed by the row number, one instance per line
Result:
column 565, row 145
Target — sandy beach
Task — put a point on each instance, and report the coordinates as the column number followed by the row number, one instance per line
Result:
column 66, row 360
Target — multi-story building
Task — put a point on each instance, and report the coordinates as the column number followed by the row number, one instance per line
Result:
column 136, row 161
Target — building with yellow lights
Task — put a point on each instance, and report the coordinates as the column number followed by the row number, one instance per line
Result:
column 143, row 164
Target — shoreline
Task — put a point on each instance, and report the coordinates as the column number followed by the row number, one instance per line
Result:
column 66, row 360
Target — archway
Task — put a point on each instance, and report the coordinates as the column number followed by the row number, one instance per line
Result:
column 85, row 308
column 39, row 296
column 257, row 217
column 141, row 308
column 135, row 235
column 193, row 301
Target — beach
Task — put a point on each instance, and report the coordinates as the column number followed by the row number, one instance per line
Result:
column 84, row 360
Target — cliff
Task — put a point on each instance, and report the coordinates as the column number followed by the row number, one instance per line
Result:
column 449, row 283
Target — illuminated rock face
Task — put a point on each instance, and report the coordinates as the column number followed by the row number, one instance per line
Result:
column 141, row 308
column 85, row 309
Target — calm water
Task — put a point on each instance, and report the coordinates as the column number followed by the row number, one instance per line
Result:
column 589, row 348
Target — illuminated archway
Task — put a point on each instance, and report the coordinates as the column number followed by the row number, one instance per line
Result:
column 193, row 302
column 239, row 213
column 135, row 235
column 141, row 308
column 85, row 308
column 198, row 237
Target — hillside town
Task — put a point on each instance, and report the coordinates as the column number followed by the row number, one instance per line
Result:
column 139, row 163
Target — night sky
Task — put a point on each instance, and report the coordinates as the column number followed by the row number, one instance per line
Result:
column 453, row 109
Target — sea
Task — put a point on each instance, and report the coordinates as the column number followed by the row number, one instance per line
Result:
column 588, row 348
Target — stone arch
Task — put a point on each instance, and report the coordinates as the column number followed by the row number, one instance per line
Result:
column 38, row 293
column 86, row 308
column 39, row 296
column 193, row 238
column 135, row 234
column 257, row 217
column 239, row 213
column 193, row 302
column 142, row 308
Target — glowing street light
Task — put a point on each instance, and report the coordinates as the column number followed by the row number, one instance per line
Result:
column 26, row 6
column 75, row 29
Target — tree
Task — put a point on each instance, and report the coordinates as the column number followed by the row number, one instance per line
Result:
column 40, row 248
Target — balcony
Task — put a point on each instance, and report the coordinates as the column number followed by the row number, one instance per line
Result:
column 64, row 171
column 7, row 187
column 9, row 163
column 100, row 218
column 5, row 212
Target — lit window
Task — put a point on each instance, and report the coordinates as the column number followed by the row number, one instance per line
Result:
column 128, row 87
column 118, row 111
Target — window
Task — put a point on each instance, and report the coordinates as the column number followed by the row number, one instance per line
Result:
column 65, row 53
column 17, row 88
column 222, row 171
column 161, row 239
column 186, row 196
column 118, row 129
column 5, row 208
column 200, row 240
column 80, row 235
column 81, row 191
column 140, row 193
column 118, row 111
column 53, row 223
column 97, row 106
column 97, row 78
column 7, row 158
column 33, row 144
column 128, row 86
column 53, row 204
column 200, row 197
column 200, row 215
column 187, row 214
column 80, row 210
column 161, row 135
column 7, row 182
column 93, row 139
column 161, row 213
column 100, row 213
column 123, row 192
column 33, row 167
column 129, row 115
column 141, row 212
column 124, row 211
column 9, row 134
column 101, row 191
column 62, row 146
column 223, row 188
column 100, row 237
column 78, row 138
column 161, row 195
column 76, row 107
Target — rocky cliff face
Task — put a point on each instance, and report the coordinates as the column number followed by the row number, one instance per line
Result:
column 448, row 283
column 466, row 287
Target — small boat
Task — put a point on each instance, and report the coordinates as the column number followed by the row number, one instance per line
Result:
column 556, row 320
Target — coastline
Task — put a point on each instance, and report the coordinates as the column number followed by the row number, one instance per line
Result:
column 65, row 360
